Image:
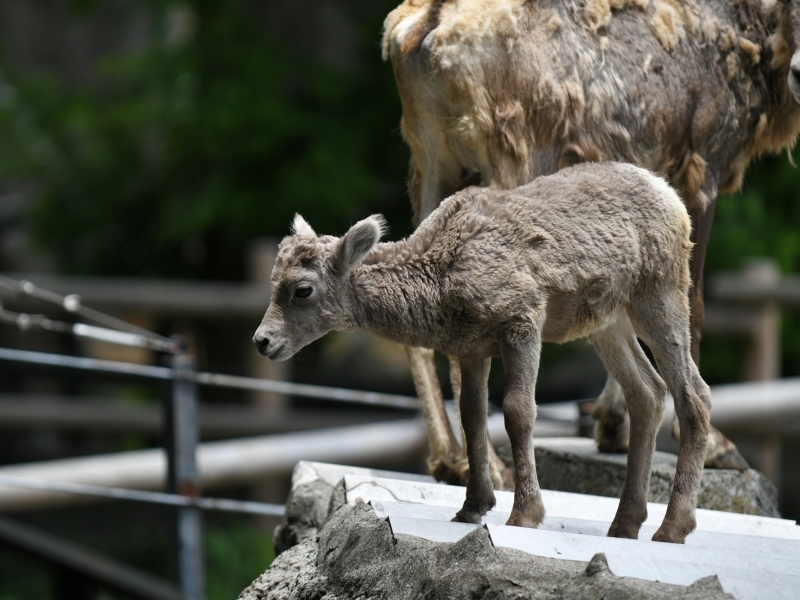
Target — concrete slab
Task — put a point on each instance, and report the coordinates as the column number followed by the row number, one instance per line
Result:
column 699, row 539
column 571, row 546
column 753, row 576
column 307, row 471
column 742, row 584
column 561, row 504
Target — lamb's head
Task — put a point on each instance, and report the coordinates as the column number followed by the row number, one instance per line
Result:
column 311, row 290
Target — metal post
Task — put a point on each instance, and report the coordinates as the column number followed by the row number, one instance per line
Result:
column 181, row 438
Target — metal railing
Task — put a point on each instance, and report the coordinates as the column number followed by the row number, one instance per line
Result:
column 180, row 425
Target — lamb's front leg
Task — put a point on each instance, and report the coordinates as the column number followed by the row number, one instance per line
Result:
column 474, row 405
column 519, row 408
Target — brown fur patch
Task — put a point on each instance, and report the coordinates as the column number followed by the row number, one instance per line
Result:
column 753, row 51
column 573, row 92
column 727, row 40
column 667, row 24
column 414, row 38
column 695, row 178
column 781, row 50
column 732, row 66
column 597, row 14
column 554, row 24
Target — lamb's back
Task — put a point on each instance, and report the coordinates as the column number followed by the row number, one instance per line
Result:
column 611, row 223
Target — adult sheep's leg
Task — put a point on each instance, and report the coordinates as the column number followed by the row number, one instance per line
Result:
column 474, row 404
column 612, row 422
column 519, row 408
column 721, row 453
column 445, row 449
column 662, row 324
column 623, row 357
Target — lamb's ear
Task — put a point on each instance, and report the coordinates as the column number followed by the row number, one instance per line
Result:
column 301, row 227
column 356, row 243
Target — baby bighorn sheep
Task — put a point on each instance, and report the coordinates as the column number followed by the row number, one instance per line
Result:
column 596, row 250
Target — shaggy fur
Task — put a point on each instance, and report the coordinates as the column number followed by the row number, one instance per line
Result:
column 597, row 250
column 497, row 92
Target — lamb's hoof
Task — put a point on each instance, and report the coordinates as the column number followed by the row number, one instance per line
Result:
column 521, row 520
column 727, row 459
column 612, row 431
column 672, row 537
column 527, row 512
column 472, row 511
column 624, row 529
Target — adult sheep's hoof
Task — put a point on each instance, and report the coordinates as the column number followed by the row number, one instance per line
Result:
column 451, row 472
column 727, row 460
column 455, row 471
column 612, row 431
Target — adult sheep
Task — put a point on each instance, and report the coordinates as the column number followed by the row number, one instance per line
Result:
column 596, row 250
column 498, row 92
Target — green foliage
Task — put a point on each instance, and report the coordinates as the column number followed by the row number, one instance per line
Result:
column 22, row 578
column 236, row 554
column 217, row 138
column 763, row 220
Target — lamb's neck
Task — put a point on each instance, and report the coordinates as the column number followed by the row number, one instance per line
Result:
column 399, row 301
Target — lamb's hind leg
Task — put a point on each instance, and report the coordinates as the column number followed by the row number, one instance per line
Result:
column 663, row 323
column 519, row 408
column 626, row 362
column 474, row 404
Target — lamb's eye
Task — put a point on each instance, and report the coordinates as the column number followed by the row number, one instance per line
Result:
column 303, row 291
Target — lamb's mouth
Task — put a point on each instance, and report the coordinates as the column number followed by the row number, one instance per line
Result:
column 274, row 355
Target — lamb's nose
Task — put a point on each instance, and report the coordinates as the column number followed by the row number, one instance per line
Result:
column 261, row 343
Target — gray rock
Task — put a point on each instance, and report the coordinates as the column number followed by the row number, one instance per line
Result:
column 317, row 494
column 306, row 512
column 575, row 465
column 355, row 555
column 292, row 576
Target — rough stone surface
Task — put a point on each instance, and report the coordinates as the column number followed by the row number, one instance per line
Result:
column 293, row 575
column 306, row 512
column 575, row 465
column 356, row 556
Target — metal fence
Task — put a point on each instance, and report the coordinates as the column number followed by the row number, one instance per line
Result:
column 180, row 429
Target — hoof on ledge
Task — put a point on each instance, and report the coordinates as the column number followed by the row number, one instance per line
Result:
column 729, row 459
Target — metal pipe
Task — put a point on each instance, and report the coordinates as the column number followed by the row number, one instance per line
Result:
column 307, row 391
column 212, row 379
column 235, row 462
column 115, row 493
column 224, row 463
column 180, row 429
column 85, row 364
column 72, row 303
